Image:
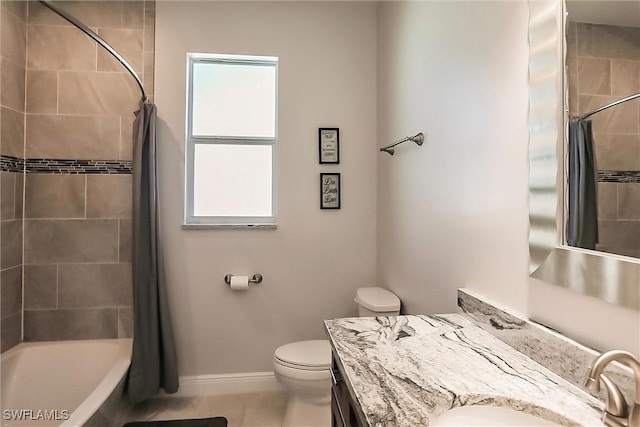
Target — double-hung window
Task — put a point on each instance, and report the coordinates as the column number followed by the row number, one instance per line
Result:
column 231, row 131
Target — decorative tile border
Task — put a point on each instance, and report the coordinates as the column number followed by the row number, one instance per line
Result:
column 11, row 164
column 619, row 176
column 79, row 166
column 68, row 166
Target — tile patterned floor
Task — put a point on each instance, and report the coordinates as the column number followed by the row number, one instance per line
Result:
column 264, row 409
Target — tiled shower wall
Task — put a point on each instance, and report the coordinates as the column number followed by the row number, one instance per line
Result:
column 13, row 26
column 603, row 66
column 79, row 104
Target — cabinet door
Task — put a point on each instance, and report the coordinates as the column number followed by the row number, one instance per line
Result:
column 337, row 419
column 345, row 413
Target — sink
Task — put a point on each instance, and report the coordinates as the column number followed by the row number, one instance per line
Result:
column 490, row 416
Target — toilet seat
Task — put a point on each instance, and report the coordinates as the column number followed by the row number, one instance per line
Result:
column 314, row 355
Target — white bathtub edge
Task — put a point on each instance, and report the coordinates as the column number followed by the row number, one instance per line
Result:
column 101, row 393
column 240, row 383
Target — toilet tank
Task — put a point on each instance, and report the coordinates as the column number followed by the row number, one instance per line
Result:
column 376, row 301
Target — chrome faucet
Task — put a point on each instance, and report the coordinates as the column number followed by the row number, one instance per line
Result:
column 617, row 412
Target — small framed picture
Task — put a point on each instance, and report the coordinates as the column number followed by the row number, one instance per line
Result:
column 329, row 145
column 329, row 191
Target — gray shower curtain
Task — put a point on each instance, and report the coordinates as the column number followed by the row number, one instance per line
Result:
column 153, row 363
column 582, row 221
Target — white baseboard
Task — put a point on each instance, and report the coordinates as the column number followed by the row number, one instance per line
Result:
column 210, row 385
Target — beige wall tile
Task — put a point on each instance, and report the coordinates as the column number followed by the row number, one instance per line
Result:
column 572, row 57
column 615, row 42
column 54, row 241
column 42, row 91
column 585, row 39
column 632, row 252
column 94, row 285
column 95, row 117
column 149, row 30
column 13, row 38
column 11, row 291
column 128, row 43
column 90, row 13
column 125, row 322
column 72, row 137
column 133, row 15
column 39, row 14
column 7, row 195
column 10, row 243
column 124, row 242
column 55, row 195
column 59, row 48
column 619, row 234
column 126, row 139
column 109, row 196
column 574, row 106
column 17, row 7
column 629, row 202
column 98, row 93
column 10, row 331
column 150, row 4
column 621, row 119
column 71, row 324
column 607, row 200
column 594, row 76
column 149, row 72
column 571, row 30
column 12, row 132
column 19, row 194
column 617, row 152
column 625, row 77
column 13, row 85
column 40, row 286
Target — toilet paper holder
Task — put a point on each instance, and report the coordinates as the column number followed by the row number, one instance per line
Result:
column 255, row 279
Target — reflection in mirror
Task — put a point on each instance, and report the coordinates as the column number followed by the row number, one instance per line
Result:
column 611, row 278
column 603, row 151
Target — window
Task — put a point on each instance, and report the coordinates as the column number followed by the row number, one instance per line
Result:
column 231, row 131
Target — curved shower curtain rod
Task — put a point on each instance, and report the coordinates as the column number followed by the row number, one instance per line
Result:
column 98, row 39
column 613, row 104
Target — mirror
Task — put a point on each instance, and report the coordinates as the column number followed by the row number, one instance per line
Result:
column 603, row 68
column 612, row 278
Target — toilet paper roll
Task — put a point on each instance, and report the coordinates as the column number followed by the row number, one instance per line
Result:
column 239, row 283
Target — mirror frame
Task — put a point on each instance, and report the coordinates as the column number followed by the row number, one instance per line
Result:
column 612, row 278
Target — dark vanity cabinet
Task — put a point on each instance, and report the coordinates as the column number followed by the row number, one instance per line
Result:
column 344, row 411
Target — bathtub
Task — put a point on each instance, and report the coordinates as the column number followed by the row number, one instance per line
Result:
column 65, row 383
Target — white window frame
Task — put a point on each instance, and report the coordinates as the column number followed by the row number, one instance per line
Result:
column 191, row 140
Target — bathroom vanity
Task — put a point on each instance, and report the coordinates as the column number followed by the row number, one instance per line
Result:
column 409, row 370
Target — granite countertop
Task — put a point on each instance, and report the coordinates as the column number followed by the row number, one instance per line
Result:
column 407, row 370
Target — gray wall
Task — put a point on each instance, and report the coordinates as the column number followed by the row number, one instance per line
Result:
column 12, row 82
column 315, row 260
column 454, row 212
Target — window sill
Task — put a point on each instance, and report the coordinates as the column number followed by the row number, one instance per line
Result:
column 229, row 226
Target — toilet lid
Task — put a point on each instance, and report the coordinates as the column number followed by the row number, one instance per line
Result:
column 306, row 354
column 377, row 299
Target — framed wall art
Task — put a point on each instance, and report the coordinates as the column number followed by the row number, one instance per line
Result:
column 329, row 191
column 329, row 145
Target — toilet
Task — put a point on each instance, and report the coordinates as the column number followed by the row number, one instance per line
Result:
column 302, row 367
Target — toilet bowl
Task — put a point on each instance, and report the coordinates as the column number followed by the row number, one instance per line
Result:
column 302, row 367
